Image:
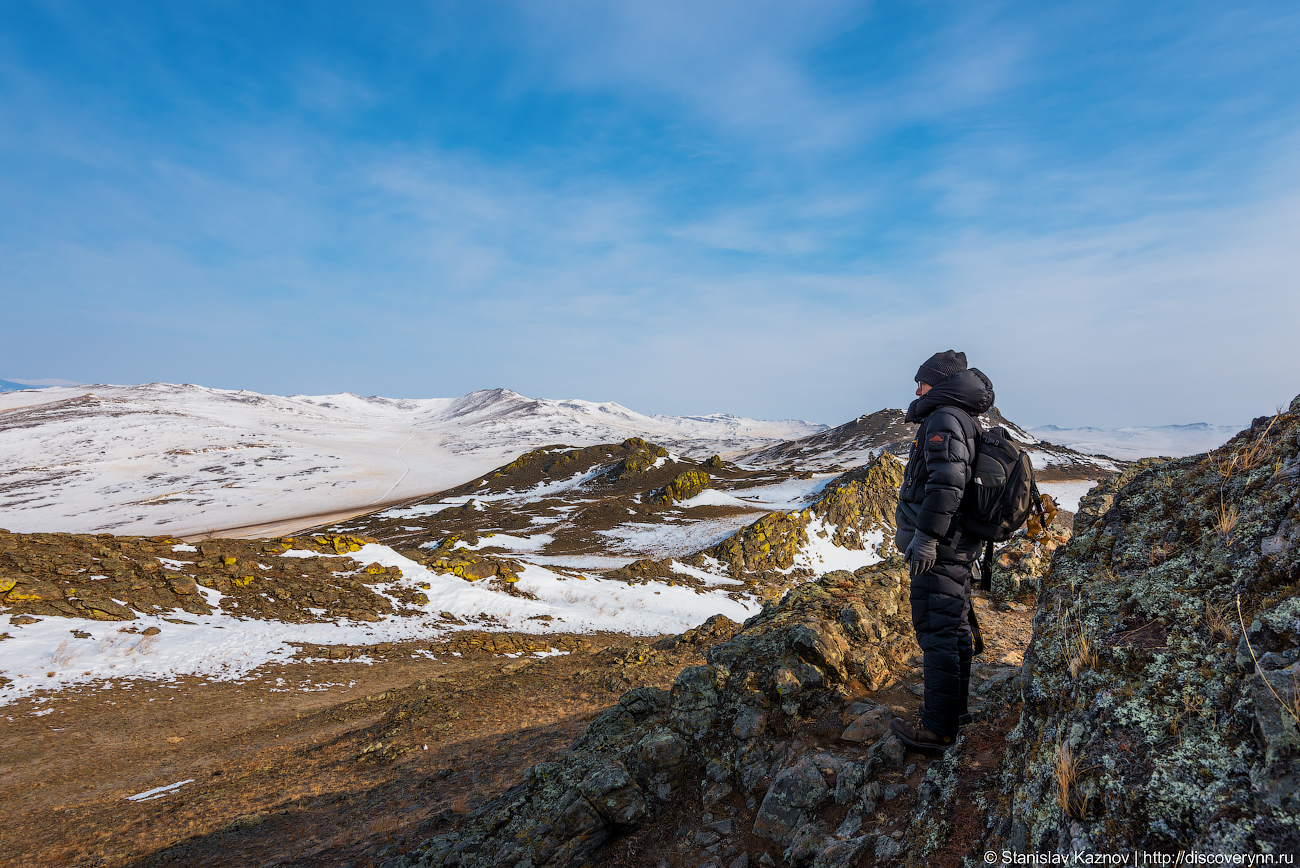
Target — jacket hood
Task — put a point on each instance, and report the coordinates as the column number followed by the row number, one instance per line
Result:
column 968, row 390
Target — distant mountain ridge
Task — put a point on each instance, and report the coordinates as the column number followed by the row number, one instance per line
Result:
column 856, row 442
column 16, row 385
column 188, row 459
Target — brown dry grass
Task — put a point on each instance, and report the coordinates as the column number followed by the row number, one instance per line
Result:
column 1225, row 520
column 1244, row 458
column 1083, row 652
column 1067, row 770
column 1217, row 623
column 1191, row 708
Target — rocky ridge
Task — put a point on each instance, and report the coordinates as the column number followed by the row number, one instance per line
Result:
column 1157, row 705
column 1161, row 706
column 734, row 723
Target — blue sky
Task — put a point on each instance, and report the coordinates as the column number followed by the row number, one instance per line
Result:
column 769, row 209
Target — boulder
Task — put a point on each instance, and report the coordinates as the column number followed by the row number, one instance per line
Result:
column 684, row 486
column 869, row 726
column 794, row 795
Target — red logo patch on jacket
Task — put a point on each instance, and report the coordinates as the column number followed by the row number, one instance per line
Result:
column 937, row 438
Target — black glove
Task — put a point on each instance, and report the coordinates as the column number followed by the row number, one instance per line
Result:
column 922, row 553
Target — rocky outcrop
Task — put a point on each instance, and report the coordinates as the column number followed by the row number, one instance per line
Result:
column 1152, row 720
column 730, row 723
column 684, row 486
column 642, row 456
column 451, row 557
column 111, row 578
column 1020, row 563
column 856, row 510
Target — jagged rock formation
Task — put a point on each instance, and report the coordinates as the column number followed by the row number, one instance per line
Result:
column 730, row 722
column 1152, row 721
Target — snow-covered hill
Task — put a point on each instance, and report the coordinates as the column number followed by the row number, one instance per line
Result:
column 1128, row 444
column 182, row 459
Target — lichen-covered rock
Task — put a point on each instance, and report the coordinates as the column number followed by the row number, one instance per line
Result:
column 450, row 556
column 1150, row 720
column 793, row 796
column 855, row 511
column 729, row 723
column 642, row 457
column 694, row 700
column 857, row 508
column 684, row 486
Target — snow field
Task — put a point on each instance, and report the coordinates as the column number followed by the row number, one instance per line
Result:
column 223, row 647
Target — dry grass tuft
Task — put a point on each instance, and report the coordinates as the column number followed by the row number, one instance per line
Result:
column 1084, row 654
column 1067, row 772
column 64, row 655
column 144, row 646
column 1243, row 458
column 1217, row 623
column 1225, row 519
column 1190, row 709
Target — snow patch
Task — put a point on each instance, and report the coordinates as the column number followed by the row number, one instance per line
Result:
column 158, row 792
column 1067, row 494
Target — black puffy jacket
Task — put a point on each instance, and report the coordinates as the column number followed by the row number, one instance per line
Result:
column 939, row 464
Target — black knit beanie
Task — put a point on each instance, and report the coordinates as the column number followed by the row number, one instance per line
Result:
column 940, row 367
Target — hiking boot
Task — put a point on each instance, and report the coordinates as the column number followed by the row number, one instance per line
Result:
column 919, row 738
column 965, row 720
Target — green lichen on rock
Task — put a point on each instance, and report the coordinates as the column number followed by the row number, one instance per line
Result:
column 856, row 509
column 684, row 486
column 451, row 557
column 642, row 456
column 861, row 501
column 766, row 546
column 852, row 507
column 1140, row 673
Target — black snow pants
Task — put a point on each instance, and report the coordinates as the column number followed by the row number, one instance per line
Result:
column 940, row 615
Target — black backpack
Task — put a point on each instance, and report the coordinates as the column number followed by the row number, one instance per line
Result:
column 1000, row 495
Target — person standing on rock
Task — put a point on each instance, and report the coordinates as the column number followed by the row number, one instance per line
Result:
column 949, row 398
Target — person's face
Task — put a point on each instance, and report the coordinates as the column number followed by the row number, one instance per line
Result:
column 922, row 388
